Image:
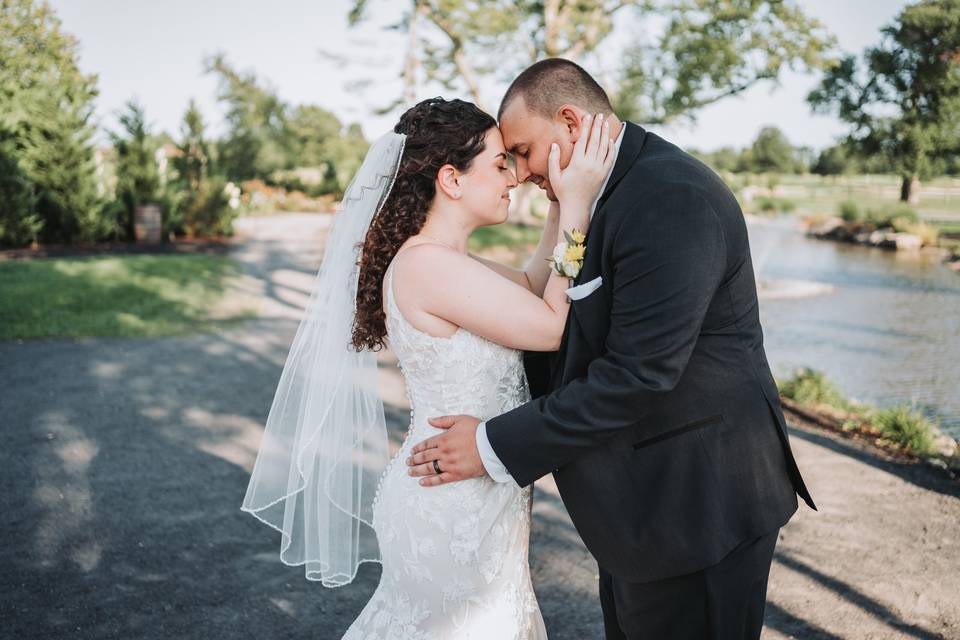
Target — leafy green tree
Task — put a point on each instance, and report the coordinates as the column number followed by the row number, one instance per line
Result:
column 46, row 105
column 903, row 101
column 267, row 137
column 138, row 178
column 314, row 132
column 258, row 139
column 707, row 50
column 723, row 159
column 19, row 223
column 772, row 152
column 833, row 161
column 199, row 204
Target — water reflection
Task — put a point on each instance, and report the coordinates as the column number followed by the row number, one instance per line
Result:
column 889, row 332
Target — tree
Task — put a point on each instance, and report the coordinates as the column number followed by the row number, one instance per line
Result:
column 832, row 161
column 258, row 138
column 707, row 51
column 199, row 203
column 723, row 159
column 19, row 223
column 772, row 152
column 46, row 105
column 903, row 101
column 138, row 178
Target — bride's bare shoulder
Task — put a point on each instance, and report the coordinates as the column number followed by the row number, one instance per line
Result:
column 425, row 259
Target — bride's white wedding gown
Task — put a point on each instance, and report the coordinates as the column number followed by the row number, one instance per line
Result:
column 454, row 556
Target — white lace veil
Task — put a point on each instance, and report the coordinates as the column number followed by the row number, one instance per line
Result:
column 325, row 442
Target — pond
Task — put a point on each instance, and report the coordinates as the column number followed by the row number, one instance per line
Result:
column 883, row 325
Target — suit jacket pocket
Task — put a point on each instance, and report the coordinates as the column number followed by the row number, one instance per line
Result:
column 592, row 315
column 672, row 433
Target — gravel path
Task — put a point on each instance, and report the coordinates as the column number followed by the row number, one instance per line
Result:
column 124, row 462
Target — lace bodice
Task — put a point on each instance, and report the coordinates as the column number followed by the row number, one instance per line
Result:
column 463, row 374
column 455, row 556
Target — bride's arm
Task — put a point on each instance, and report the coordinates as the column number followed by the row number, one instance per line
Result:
column 536, row 272
column 467, row 293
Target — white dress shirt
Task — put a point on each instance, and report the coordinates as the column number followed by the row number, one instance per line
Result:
column 491, row 462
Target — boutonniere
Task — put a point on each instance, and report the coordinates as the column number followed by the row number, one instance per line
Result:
column 567, row 258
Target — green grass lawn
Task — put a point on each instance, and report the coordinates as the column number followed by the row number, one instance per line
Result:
column 144, row 295
column 811, row 194
column 506, row 234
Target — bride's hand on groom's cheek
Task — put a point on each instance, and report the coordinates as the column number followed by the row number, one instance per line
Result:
column 455, row 452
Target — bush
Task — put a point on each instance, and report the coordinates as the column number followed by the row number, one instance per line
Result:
column 906, row 427
column 813, row 388
column 202, row 212
column 928, row 233
column 775, row 205
column 849, row 211
column 885, row 216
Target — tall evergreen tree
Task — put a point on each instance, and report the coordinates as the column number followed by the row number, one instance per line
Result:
column 200, row 206
column 138, row 178
column 19, row 223
column 46, row 104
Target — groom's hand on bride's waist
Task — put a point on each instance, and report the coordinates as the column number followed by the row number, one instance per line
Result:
column 454, row 451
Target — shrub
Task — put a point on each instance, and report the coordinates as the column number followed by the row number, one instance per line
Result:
column 907, row 427
column 849, row 211
column 887, row 214
column 928, row 233
column 771, row 205
column 204, row 211
column 813, row 388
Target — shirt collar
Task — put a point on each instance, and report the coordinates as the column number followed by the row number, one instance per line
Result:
column 616, row 152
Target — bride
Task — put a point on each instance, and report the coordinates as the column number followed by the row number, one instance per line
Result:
column 396, row 272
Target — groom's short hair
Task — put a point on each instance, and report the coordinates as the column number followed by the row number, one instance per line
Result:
column 548, row 84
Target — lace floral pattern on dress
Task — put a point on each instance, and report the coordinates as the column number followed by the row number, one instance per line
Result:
column 455, row 557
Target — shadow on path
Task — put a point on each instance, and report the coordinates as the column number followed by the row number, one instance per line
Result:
column 918, row 474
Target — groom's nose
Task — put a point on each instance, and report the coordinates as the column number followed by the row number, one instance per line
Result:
column 523, row 173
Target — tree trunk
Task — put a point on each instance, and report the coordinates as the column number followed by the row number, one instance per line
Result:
column 412, row 64
column 910, row 189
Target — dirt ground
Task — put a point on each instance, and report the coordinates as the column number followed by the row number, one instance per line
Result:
column 124, row 463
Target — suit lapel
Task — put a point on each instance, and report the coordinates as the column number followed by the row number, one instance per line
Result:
column 634, row 139
column 630, row 147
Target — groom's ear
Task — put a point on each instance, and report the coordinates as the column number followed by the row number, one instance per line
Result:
column 571, row 119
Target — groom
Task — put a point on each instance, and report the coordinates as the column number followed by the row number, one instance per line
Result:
column 658, row 416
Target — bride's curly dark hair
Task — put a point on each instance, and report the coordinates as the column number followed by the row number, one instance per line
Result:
column 439, row 132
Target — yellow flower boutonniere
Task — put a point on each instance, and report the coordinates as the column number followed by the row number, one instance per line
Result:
column 567, row 258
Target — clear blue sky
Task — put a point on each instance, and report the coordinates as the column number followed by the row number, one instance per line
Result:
column 154, row 51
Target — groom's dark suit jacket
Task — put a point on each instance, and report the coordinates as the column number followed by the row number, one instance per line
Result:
column 659, row 416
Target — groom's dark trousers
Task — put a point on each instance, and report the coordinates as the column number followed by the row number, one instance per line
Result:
column 658, row 415
column 724, row 601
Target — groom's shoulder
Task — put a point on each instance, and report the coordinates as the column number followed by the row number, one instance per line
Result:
column 663, row 168
column 662, row 157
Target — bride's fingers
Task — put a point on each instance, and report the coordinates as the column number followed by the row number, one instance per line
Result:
column 581, row 143
column 553, row 164
column 594, row 142
column 603, row 144
column 608, row 160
